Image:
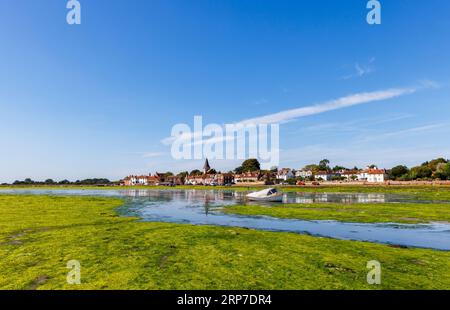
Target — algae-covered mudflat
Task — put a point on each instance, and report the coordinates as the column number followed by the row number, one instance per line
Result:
column 39, row 234
column 411, row 213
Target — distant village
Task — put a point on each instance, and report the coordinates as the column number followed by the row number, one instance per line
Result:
column 251, row 174
column 436, row 171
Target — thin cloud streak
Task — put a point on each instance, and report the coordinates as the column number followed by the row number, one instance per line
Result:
column 409, row 131
column 361, row 70
column 344, row 102
column 293, row 114
column 152, row 155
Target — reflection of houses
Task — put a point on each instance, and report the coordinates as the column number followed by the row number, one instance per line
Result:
column 285, row 174
column 371, row 198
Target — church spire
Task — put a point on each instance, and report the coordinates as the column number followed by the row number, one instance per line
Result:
column 206, row 167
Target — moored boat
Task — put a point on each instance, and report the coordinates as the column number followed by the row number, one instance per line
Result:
column 269, row 194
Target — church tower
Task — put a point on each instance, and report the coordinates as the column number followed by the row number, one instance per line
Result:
column 206, row 167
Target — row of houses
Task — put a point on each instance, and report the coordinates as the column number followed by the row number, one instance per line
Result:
column 210, row 179
column 152, row 180
column 370, row 175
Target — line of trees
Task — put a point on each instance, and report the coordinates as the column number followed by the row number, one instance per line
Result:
column 94, row 181
column 437, row 169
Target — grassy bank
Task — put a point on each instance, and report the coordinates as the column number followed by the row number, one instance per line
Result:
column 40, row 234
column 364, row 213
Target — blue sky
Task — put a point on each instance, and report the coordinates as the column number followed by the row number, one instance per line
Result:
column 96, row 99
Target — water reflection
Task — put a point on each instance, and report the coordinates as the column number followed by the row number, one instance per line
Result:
column 308, row 198
column 203, row 207
column 299, row 197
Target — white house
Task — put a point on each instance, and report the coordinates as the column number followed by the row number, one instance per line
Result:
column 350, row 175
column 376, row 176
column 303, row 173
column 372, row 175
column 324, row 175
column 285, row 174
column 247, row 177
column 133, row 180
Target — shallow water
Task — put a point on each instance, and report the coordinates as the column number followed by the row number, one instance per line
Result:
column 203, row 207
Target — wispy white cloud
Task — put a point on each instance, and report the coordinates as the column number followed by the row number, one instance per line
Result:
column 356, row 125
column 361, row 70
column 294, row 114
column 260, row 101
column 340, row 103
column 426, row 83
column 353, row 154
column 152, row 154
column 407, row 132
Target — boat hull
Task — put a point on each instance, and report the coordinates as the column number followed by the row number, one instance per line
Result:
column 277, row 198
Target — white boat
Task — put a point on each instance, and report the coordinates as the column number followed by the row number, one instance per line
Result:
column 269, row 194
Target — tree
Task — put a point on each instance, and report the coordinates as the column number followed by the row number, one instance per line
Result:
column 399, row 171
column 313, row 168
column 49, row 181
column 212, row 171
column 446, row 170
column 274, row 169
column 196, row 172
column 338, row 168
column 435, row 162
column 183, row 174
column 64, row 182
column 443, row 171
column 239, row 170
column 421, row 172
column 323, row 164
column 168, row 174
column 95, row 181
column 249, row 165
